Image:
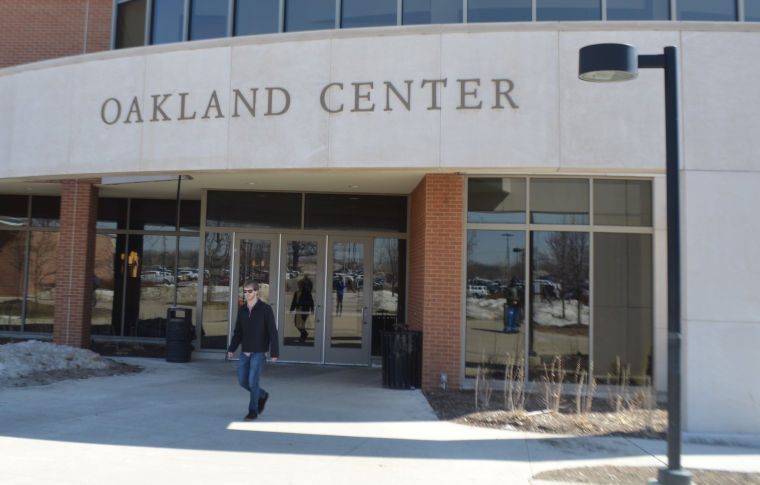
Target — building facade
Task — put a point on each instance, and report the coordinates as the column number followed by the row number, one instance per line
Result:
column 454, row 178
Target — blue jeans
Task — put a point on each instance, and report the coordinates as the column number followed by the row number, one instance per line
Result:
column 513, row 316
column 249, row 372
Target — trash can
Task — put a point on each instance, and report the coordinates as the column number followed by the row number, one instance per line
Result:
column 402, row 359
column 180, row 332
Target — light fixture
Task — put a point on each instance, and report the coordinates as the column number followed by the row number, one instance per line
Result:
column 353, row 186
column 620, row 62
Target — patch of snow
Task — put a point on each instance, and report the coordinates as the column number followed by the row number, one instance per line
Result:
column 20, row 359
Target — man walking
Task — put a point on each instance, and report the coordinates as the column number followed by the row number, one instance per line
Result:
column 255, row 328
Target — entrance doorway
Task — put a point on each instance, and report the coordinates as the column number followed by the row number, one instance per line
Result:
column 320, row 288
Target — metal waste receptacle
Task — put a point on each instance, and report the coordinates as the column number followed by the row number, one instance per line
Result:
column 180, row 333
column 402, row 359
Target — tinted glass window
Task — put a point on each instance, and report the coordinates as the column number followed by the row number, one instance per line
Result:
column 208, row 19
column 254, row 209
column 309, row 15
column 168, row 19
column 568, row 9
column 355, row 212
column 257, row 17
column 13, row 210
column 500, row 200
column 130, row 24
column 638, row 10
column 13, row 251
column 46, row 211
column 112, row 214
column 153, row 214
column 719, row 10
column 190, row 215
column 623, row 202
column 360, row 13
column 752, row 10
column 431, row 12
column 499, row 11
column 559, row 201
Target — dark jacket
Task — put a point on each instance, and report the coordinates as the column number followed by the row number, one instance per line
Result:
column 256, row 330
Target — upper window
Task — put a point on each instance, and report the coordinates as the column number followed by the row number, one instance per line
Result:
column 499, row 11
column 257, row 17
column 355, row 212
column 496, row 200
column 130, row 24
column 752, row 10
column 309, row 15
column 623, row 202
column 559, row 201
column 360, row 13
column 716, row 10
column 208, row 19
column 638, row 10
column 431, row 12
column 168, row 21
column 568, row 10
column 253, row 209
column 14, row 211
column 46, row 211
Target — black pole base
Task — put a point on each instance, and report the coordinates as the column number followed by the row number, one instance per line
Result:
column 666, row 476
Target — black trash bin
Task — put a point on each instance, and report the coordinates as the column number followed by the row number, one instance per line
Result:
column 402, row 359
column 180, row 333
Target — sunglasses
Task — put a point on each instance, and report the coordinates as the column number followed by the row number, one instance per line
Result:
column 248, row 291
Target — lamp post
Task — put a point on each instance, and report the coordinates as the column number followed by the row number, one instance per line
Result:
column 620, row 62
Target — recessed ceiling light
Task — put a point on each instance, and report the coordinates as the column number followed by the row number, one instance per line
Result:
column 353, row 186
column 251, row 183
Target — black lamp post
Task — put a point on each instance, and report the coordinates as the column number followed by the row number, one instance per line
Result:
column 620, row 62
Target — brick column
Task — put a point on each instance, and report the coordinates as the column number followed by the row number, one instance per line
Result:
column 436, row 236
column 74, row 271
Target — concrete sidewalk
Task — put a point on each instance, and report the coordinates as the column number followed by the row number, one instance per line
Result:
column 182, row 424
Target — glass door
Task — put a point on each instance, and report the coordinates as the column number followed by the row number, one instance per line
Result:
column 254, row 258
column 300, row 321
column 349, row 301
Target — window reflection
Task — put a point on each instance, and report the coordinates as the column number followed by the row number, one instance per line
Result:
column 300, row 293
column 40, row 291
column 347, row 296
column 568, row 10
column 496, row 200
column 715, row 10
column 104, row 283
column 431, row 12
column 216, row 290
column 559, row 201
column 559, row 300
column 752, row 10
column 623, row 202
column 360, row 13
column 495, row 299
column 388, row 288
column 13, row 257
column 309, row 15
column 638, row 10
column 168, row 21
column 208, row 19
column 130, row 26
column 499, row 11
column 257, row 17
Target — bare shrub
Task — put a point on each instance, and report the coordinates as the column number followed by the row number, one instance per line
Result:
column 553, row 378
column 585, row 389
column 483, row 383
column 514, row 383
column 619, row 393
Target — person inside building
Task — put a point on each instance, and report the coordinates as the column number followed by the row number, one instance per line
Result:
column 340, row 288
column 256, row 330
column 302, row 304
column 512, row 306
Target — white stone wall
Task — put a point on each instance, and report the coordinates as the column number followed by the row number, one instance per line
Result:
column 51, row 126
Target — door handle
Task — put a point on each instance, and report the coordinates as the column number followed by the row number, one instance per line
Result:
column 364, row 315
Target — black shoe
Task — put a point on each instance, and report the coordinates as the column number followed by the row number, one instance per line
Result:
column 304, row 334
column 263, row 402
column 250, row 416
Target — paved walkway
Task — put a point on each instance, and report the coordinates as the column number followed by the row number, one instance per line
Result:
column 182, row 424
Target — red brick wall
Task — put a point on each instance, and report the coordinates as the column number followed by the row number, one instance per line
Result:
column 35, row 30
column 74, row 274
column 436, row 239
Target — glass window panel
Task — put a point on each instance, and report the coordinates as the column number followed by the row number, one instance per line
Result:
column 623, row 307
column 130, row 24
column 623, row 202
column 156, row 283
column 752, row 10
column 216, row 290
column 559, row 201
column 568, row 10
column 355, row 212
column 499, row 11
column 187, row 274
column 300, row 293
column 40, row 293
column 715, row 10
column 309, row 15
column 168, row 21
column 106, row 272
column 208, row 19
column 257, row 17
column 431, row 12
column 254, row 265
column 559, row 302
column 112, row 213
column 12, row 259
column 190, row 215
column 153, row 214
column 347, row 284
column 388, row 288
column 254, row 209
column 46, row 211
column 494, row 300
column 14, row 210
column 497, row 200
column 638, row 10
column 360, row 13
